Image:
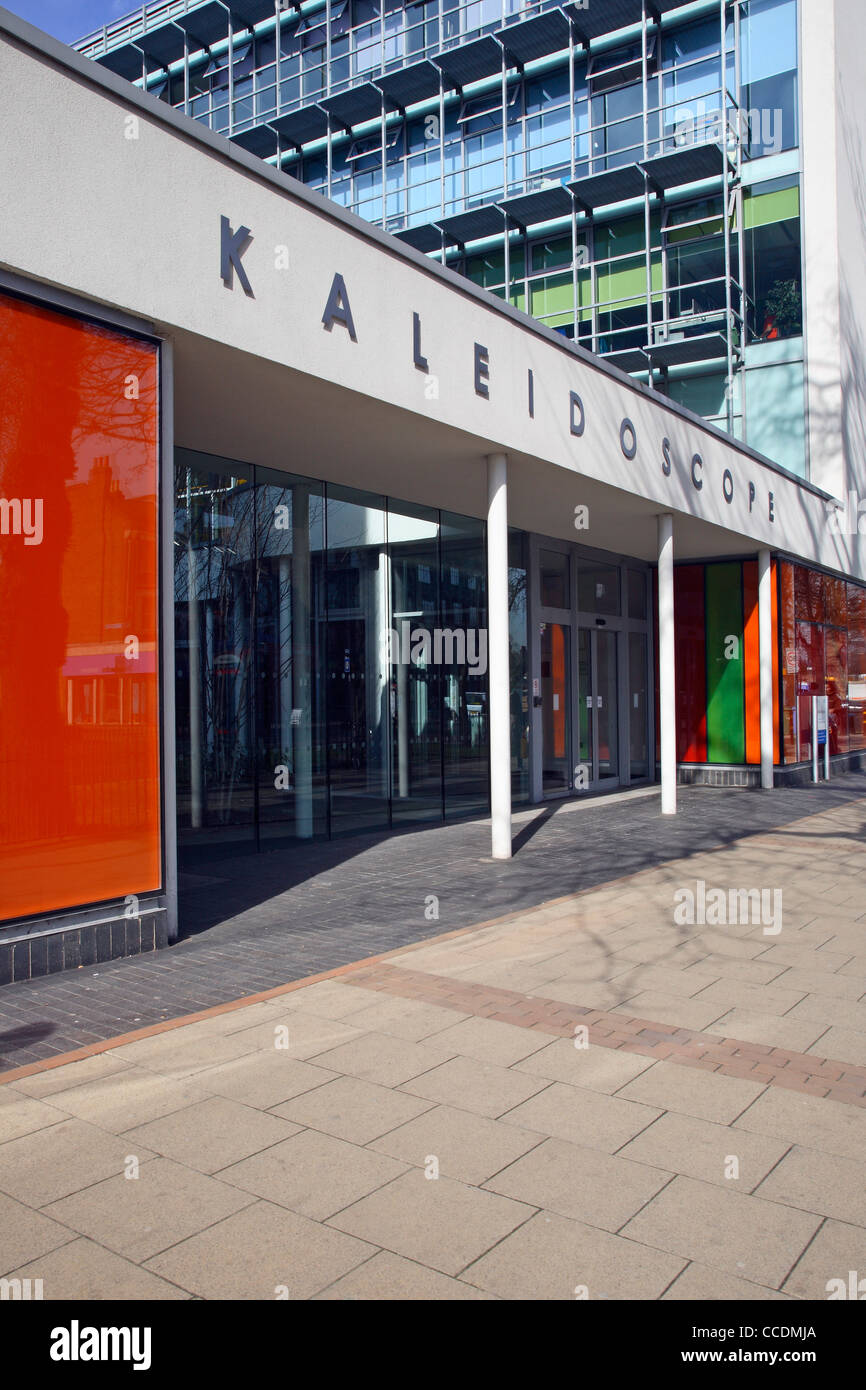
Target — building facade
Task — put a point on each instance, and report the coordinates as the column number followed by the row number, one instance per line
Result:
column 305, row 534
column 576, row 160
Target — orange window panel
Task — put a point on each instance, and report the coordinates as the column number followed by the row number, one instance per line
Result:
column 558, row 665
column 79, row 655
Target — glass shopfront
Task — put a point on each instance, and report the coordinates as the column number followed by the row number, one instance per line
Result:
column 331, row 659
column 823, row 651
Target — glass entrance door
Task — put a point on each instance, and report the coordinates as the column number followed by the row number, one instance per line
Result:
column 598, row 703
column 555, row 708
column 606, row 706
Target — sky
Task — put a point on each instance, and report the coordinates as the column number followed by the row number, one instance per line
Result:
column 69, row 19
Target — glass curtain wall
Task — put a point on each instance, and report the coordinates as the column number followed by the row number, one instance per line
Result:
column 331, row 659
column 823, row 652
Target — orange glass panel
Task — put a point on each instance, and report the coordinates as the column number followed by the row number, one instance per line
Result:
column 79, row 660
column 558, row 691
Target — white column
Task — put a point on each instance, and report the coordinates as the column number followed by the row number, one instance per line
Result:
column 667, row 676
column 765, row 648
column 497, row 648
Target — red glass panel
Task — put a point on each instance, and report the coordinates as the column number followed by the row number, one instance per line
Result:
column 835, row 602
column 856, row 666
column 809, row 593
column 691, row 663
column 79, row 711
column 836, row 650
column 810, row 681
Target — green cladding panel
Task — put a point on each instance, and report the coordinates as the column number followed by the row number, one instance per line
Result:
column 726, row 730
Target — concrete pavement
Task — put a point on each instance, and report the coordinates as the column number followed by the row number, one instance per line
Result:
column 655, row 1089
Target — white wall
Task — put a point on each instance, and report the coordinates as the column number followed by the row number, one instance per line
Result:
column 851, row 192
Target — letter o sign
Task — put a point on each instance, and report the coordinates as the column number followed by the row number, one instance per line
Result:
column 628, row 439
column 728, row 485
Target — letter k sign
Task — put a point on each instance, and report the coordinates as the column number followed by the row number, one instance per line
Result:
column 232, row 247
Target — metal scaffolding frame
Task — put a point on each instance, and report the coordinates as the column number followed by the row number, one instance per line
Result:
column 560, row 32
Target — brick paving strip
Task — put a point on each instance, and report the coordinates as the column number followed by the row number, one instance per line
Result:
column 798, row 1071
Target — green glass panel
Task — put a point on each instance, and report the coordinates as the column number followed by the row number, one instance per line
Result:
column 726, row 734
column 552, row 298
column 626, row 283
column 550, row 255
column 619, row 238
column 761, row 208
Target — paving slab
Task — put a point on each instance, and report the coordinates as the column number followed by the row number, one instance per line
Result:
column 313, row 1174
column 832, row 1266
column 699, row 1284
column 24, row 1116
column 589, row 1186
column 500, row 1044
column 84, row 1271
column 477, row 1086
column 78, row 1156
column 597, row 1068
column 262, row 1252
column 386, row 1060
column 552, row 1257
column 705, row 1094
column 26, row 1234
column 819, row 1182
column 464, row 1145
column 744, row 1236
column 391, row 1278
column 351, row 1109
column 406, row 1018
column 583, row 1117
column 213, row 1133
column 439, row 1222
column 813, row 1121
column 120, row 1100
column 263, row 1079
column 711, row 1152
column 139, row 1215
column 48, row 1083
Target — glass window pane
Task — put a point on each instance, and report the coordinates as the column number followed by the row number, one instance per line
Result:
column 416, row 664
column 554, row 574
column 290, row 724
column 519, row 666
column 638, row 704
column 214, row 573
column 637, row 606
column 464, row 665
column 355, row 660
column 555, row 706
column 598, row 589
